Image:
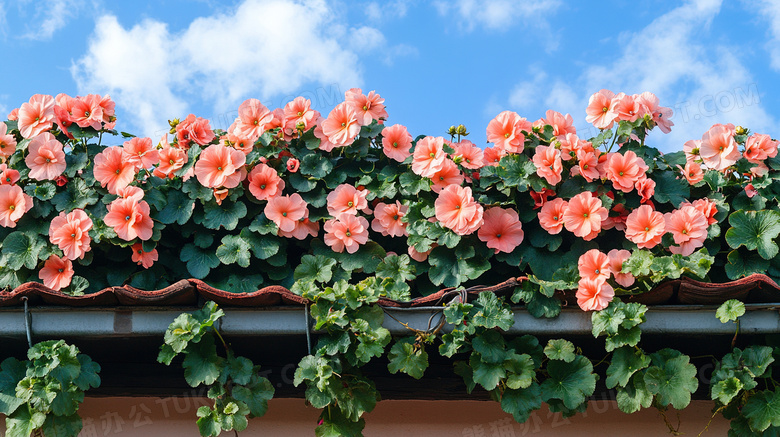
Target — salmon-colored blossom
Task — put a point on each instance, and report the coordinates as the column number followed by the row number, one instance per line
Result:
column 692, row 172
column 758, row 147
column 346, row 199
column 718, row 148
column 342, row 126
column 346, row 232
column 367, row 107
column 130, row 218
column 130, row 192
column 584, row 215
column 303, row 228
column 540, row 198
column 617, row 221
column 285, row 211
column 587, row 165
column 86, row 111
column 548, row 164
column 594, row 295
column 292, row 165
column 571, row 145
column 561, row 124
column 594, row 265
column 429, row 156
column 325, row 143
column 70, row 232
column 264, row 182
column 692, row 149
column 13, row 115
column 218, row 166
column 456, row 209
column 624, row 170
column 419, row 256
column 194, row 129
column 141, row 153
column 645, row 227
column 36, row 116
column 750, row 191
column 172, row 159
column 662, row 116
column 8, row 176
column 7, row 142
column 506, row 131
column 688, row 226
column 551, row 215
column 706, row 207
column 629, row 108
column 252, row 119
column 56, row 272
column 471, row 156
column 45, row 158
column 501, row 229
column 601, row 109
column 298, row 116
column 13, row 204
column 645, row 187
column 143, row 258
column 448, row 175
column 616, row 259
column 492, row 156
column 396, row 142
column 387, row 219
column 113, row 169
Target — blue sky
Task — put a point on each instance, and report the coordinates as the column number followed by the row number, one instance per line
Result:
column 436, row 63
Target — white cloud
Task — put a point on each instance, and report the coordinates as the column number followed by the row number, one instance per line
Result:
column 704, row 83
column 3, row 21
column 262, row 48
column 497, row 14
column 377, row 11
column 364, row 39
column 770, row 10
column 49, row 16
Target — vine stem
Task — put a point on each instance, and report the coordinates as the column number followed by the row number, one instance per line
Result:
column 706, row 427
column 602, row 360
column 227, row 348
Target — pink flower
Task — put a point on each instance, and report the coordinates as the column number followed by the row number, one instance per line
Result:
column 71, row 233
column 293, row 165
column 419, row 256
column 688, row 226
column 616, row 260
column 13, row 204
column 645, row 227
column 264, row 182
column 8, row 176
column 758, row 147
column 692, row 148
column 13, row 115
column 252, row 119
column 346, row 232
column 601, row 109
column 584, row 215
column 645, row 187
column 145, row 259
column 298, row 115
column 218, row 166
column 346, row 199
column 692, row 173
column 56, row 272
column 285, row 211
column 429, row 156
column 661, row 115
column 108, row 106
column 594, row 295
column 548, row 164
column 131, row 192
column 387, row 219
column 501, row 230
column 342, row 126
column 325, row 143
column 551, row 215
column 396, row 142
column 303, row 228
column 448, row 175
column 493, row 155
column 194, row 129
column 506, row 131
column 718, row 148
column 171, row 160
column 130, row 218
column 624, row 170
column 141, row 153
column 594, row 265
column 456, row 209
column 471, row 156
column 113, row 170
column 46, row 159
column 750, row 191
column 629, row 108
column 7, row 142
column 367, row 108
column 561, row 124
column 587, row 165
column 86, row 111
column 572, row 145
column 36, row 116
column 706, row 207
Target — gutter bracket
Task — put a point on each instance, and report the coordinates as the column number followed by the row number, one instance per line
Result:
column 27, row 322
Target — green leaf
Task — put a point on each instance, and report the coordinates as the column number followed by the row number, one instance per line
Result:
column 23, row 422
column 714, row 179
column 670, row 189
column 639, row 263
column 626, row 361
column 199, row 261
column 9, row 404
column 226, row 215
column 560, row 349
column 492, row 312
column 521, row 403
column 755, row 230
column 21, row 250
column 634, row 396
column 488, row 375
column 234, row 249
column 256, row 395
column 762, row 410
column 730, row 311
column 208, row 422
column 451, row 269
column 571, row 382
column 744, row 264
column 672, row 380
column 201, row 363
column 263, row 247
column 724, row 391
column 316, row 165
column 407, row 357
column 178, row 208
column 263, row 226
column 336, row 424
column 315, row 268
column 67, row 402
column 43, row 191
column 396, row 267
column 88, row 375
column 490, row 346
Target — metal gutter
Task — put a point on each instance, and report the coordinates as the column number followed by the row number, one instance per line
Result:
column 124, row 322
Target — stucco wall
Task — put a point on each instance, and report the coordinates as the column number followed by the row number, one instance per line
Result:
column 174, row 417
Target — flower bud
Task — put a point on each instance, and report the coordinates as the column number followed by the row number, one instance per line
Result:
column 741, row 130
column 452, row 131
column 461, row 130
